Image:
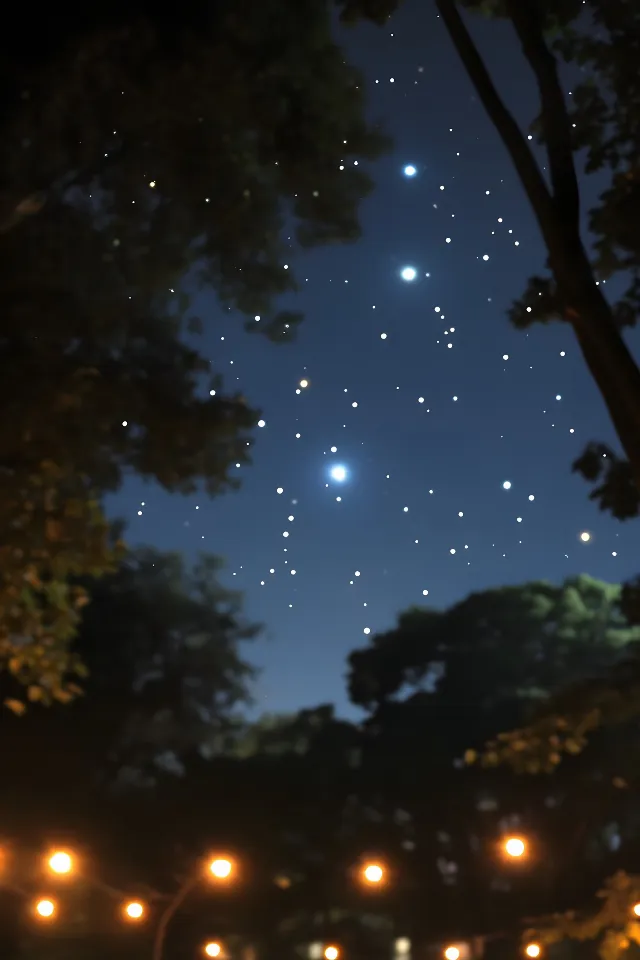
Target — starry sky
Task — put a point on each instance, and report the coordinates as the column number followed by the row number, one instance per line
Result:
column 415, row 447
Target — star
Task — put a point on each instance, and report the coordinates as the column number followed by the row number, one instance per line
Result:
column 409, row 274
column 338, row 473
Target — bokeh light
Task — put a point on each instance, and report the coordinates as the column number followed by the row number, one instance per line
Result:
column 60, row 862
column 515, row 847
column 221, row 868
column 373, row 873
column 45, row 909
column 134, row 910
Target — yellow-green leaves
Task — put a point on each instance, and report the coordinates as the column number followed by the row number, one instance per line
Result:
column 55, row 532
column 613, row 927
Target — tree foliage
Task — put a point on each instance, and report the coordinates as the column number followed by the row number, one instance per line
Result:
column 535, row 637
column 146, row 155
column 438, row 683
column 161, row 644
column 614, row 927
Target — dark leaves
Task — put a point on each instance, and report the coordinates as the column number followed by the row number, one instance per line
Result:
column 539, row 304
column 616, row 493
column 378, row 11
column 630, row 601
column 143, row 158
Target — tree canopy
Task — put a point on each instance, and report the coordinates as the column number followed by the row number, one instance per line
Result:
column 146, row 155
column 531, row 640
column 162, row 647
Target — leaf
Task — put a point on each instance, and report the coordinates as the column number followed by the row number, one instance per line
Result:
column 16, row 706
column 53, row 529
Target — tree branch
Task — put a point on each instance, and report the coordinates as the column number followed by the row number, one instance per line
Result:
column 504, row 122
column 174, row 905
column 556, row 125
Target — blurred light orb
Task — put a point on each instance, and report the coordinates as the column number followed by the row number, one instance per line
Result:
column 220, row 868
column 533, row 950
column 373, row 873
column 213, row 949
column 45, row 909
column 60, row 862
column 636, row 909
column 134, row 910
column 331, row 953
column 452, row 953
column 515, row 847
column 338, row 473
column 408, row 274
column 410, row 170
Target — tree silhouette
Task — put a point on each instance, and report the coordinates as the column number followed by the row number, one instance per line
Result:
column 436, row 685
column 147, row 155
column 161, row 643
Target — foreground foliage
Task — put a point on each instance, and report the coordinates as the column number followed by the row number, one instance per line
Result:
column 162, row 644
column 146, row 155
column 613, row 928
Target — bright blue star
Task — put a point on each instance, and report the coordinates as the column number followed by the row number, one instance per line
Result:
column 338, row 473
column 410, row 170
column 408, row 274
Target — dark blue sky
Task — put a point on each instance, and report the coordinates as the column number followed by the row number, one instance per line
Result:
column 424, row 478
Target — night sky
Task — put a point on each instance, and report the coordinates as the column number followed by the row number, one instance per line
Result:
column 455, row 432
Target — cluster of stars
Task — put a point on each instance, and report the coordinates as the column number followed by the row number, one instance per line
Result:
column 422, row 462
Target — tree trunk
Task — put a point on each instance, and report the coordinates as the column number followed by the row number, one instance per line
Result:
column 608, row 359
column 606, row 355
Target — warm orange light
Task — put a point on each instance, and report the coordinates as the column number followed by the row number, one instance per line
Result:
column 373, row 873
column 636, row 909
column 452, row 953
column 331, row 953
column 533, row 950
column 220, row 868
column 45, row 909
column 515, row 847
column 60, row 862
column 134, row 910
column 213, row 949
